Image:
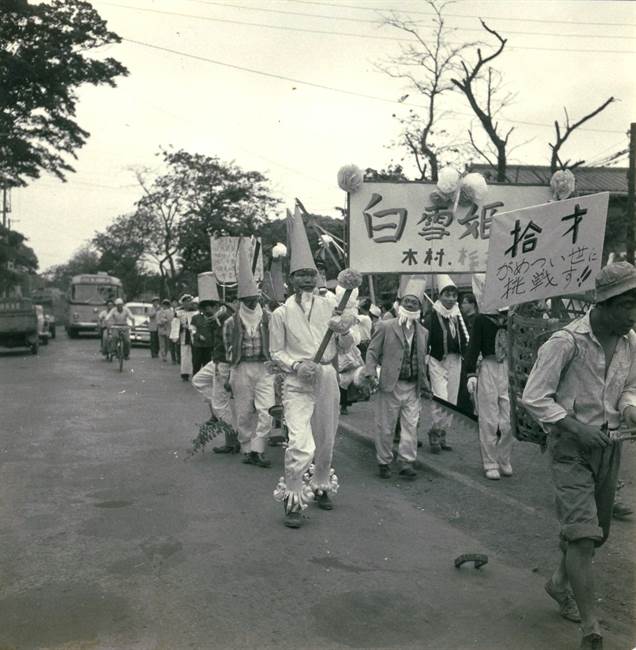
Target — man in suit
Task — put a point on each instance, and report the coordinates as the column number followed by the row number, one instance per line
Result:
column 399, row 345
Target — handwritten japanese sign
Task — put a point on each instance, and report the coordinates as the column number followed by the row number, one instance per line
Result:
column 405, row 228
column 224, row 252
column 545, row 250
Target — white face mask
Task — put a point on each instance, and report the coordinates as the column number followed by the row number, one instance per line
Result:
column 406, row 317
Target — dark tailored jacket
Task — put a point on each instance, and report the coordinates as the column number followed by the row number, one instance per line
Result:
column 436, row 336
column 233, row 332
column 482, row 340
column 387, row 348
column 203, row 337
column 218, row 344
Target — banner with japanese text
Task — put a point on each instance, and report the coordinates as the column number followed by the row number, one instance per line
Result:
column 404, row 228
column 224, row 253
column 545, row 250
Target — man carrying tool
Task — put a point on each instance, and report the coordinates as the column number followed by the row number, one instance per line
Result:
column 582, row 385
column 310, row 391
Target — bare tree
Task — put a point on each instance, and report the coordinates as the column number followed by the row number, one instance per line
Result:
column 427, row 65
column 487, row 108
column 562, row 135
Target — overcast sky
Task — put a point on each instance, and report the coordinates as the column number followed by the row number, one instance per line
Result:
column 573, row 54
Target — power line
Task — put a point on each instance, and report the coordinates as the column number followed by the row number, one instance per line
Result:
column 427, row 13
column 350, row 34
column 311, row 84
column 375, row 22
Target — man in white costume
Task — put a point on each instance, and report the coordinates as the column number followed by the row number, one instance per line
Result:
column 211, row 380
column 246, row 336
column 310, row 391
column 448, row 339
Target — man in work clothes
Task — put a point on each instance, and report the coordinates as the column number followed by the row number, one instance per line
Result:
column 246, row 336
column 582, row 385
column 399, row 345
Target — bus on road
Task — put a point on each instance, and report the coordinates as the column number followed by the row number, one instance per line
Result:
column 86, row 298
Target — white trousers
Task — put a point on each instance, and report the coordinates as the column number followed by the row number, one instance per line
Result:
column 210, row 382
column 311, row 415
column 253, row 390
column 493, row 410
column 403, row 402
column 186, row 359
column 444, row 376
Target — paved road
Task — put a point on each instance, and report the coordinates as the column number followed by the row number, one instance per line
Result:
column 113, row 538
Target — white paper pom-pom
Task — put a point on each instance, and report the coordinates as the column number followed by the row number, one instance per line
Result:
column 447, row 180
column 279, row 250
column 474, row 187
column 350, row 178
column 562, row 184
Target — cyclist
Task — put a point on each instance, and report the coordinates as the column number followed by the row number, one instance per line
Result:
column 119, row 316
column 101, row 324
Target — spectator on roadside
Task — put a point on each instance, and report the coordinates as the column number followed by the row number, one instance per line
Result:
column 164, row 323
column 153, row 328
column 187, row 311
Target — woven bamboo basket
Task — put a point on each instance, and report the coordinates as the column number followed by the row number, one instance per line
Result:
column 527, row 331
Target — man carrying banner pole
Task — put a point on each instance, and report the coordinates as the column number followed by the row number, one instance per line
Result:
column 310, row 391
column 581, row 388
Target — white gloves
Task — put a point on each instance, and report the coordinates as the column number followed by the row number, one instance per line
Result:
column 471, row 385
column 306, row 370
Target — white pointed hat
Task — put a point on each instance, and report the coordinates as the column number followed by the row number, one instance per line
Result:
column 301, row 257
column 444, row 281
column 413, row 285
column 246, row 284
column 206, row 284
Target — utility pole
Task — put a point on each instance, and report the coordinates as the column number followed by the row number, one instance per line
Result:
column 631, row 173
column 5, row 207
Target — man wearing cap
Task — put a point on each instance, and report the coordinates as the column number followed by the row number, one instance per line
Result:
column 246, row 336
column 153, row 328
column 448, row 338
column 310, row 389
column 399, row 345
column 582, row 387
column 121, row 316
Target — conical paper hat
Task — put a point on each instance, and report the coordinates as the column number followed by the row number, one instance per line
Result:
column 206, row 283
column 301, row 257
column 246, row 284
column 412, row 285
column 444, row 281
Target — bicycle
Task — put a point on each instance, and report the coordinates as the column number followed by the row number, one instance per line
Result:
column 116, row 346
